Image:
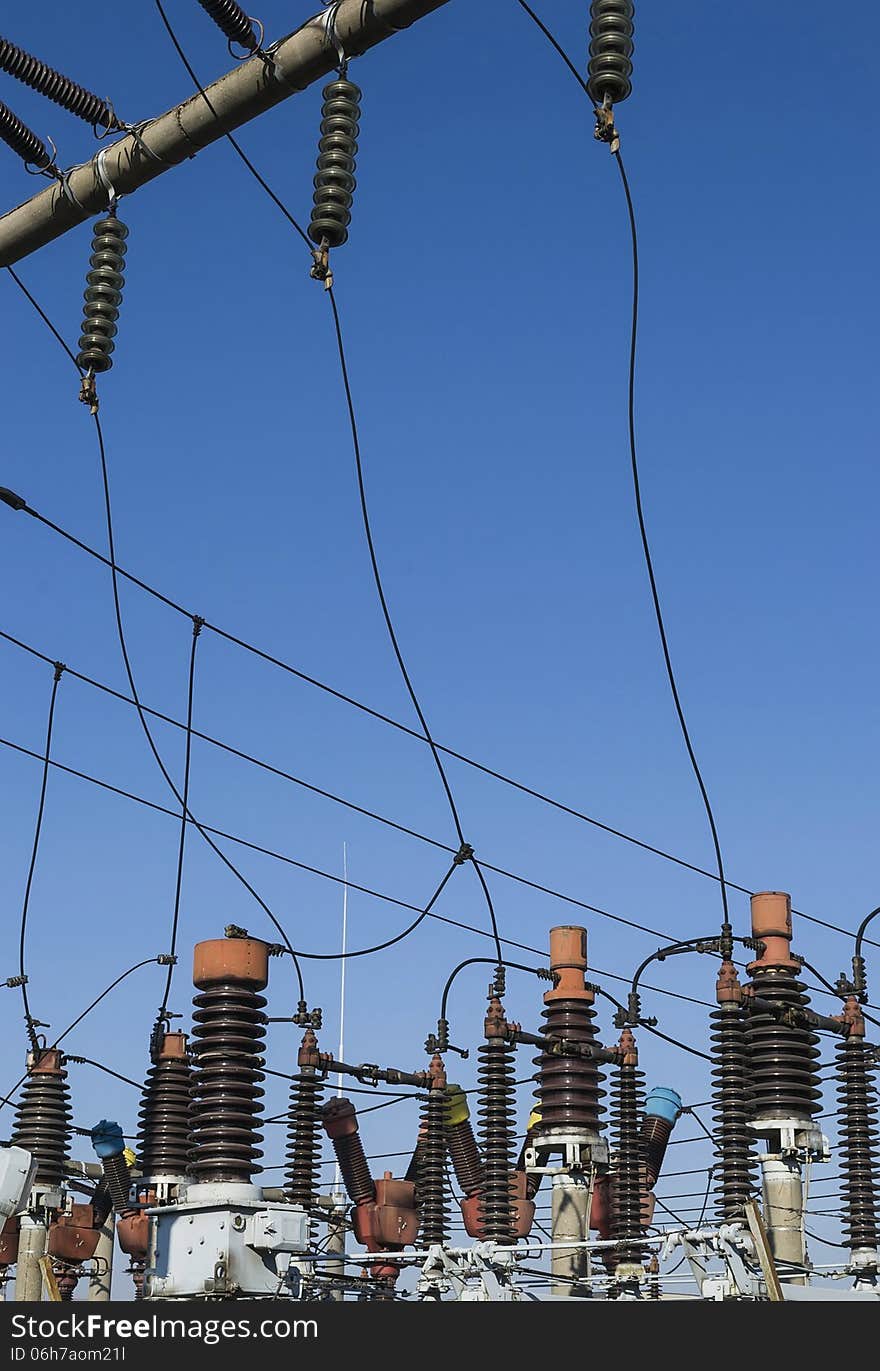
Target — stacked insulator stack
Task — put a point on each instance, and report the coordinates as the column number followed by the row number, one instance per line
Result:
column 229, row 1032
column 859, row 1140
column 569, row 1089
column 611, row 48
column 431, row 1192
column 164, row 1115
column 782, row 1079
column 497, row 1128
column 36, row 74
column 304, row 1140
column 734, row 1175
column 334, row 179
column 231, row 20
column 43, row 1118
column 628, row 1166
column 103, row 294
column 16, row 135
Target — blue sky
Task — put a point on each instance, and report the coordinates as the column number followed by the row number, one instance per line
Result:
column 485, row 298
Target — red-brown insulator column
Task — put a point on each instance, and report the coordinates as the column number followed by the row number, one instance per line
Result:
column 43, row 1117
column 339, row 1118
column 497, row 1128
column 164, row 1117
column 431, row 1196
column 229, row 1032
column 304, row 1144
column 569, row 1090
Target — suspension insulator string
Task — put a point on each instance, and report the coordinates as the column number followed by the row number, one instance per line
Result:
column 42, row 78
column 102, row 298
column 334, row 180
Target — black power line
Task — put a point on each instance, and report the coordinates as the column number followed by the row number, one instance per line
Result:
column 35, row 848
column 184, row 808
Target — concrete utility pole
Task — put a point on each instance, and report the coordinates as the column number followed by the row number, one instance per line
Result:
column 251, row 88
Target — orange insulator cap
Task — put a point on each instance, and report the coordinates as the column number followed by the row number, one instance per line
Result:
column 173, row 1047
column 727, row 987
column 245, row 960
column 771, row 922
column 49, row 1063
column 568, row 958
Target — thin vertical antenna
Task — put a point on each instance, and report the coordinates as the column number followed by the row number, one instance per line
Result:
column 337, row 1178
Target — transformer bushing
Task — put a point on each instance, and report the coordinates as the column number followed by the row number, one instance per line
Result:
column 165, row 1114
column 569, row 1088
column 222, row 1239
column 781, row 1080
column 229, row 1032
column 42, row 1126
column 782, row 1087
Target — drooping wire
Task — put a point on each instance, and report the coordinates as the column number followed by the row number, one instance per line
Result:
column 655, row 596
column 643, row 531
column 236, row 145
column 287, row 667
column 32, row 866
column 148, row 961
column 389, row 623
column 184, row 808
column 120, row 630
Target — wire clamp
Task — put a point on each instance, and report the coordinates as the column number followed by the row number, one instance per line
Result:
column 60, row 669
column 167, row 959
column 605, row 129
column 307, row 1018
column 464, row 854
column 13, row 982
column 198, row 624
column 88, row 392
column 320, row 269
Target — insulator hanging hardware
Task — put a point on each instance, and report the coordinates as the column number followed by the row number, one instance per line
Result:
column 23, row 141
column 334, row 179
column 34, row 73
column 103, row 295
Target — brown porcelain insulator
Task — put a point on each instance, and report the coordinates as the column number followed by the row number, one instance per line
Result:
column 339, row 1118
column 43, row 1118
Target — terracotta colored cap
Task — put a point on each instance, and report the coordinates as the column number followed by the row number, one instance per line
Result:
column 568, row 958
column 49, row 1063
column 339, row 1118
column 245, row 960
column 173, row 1047
column 771, row 922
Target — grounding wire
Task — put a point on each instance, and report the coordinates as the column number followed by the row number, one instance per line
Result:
column 35, row 848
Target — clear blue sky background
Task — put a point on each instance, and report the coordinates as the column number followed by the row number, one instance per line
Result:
column 485, row 294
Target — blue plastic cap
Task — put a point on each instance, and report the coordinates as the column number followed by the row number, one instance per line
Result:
column 107, row 1139
column 663, row 1103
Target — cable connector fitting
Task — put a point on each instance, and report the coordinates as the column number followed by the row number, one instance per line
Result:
column 464, row 854
column 320, row 269
column 167, row 959
column 13, row 982
column 60, row 669
column 9, row 497
column 860, row 981
column 307, row 1018
column 499, row 983
column 544, row 973
column 275, row 949
column 88, row 392
column 198, row 624
column 605, row 130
